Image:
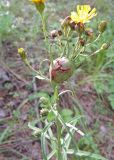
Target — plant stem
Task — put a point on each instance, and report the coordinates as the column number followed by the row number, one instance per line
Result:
column 48, row 47
column 58, row 124
column 94, row 40
column 36, row 72
column 44, row 27
column 59, row 149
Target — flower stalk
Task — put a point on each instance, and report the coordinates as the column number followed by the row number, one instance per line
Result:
column 44, row 27
column 58, row 124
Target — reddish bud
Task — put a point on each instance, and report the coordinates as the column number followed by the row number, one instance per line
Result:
column 80, row 27
column 61, row 70
column 72, row 25
column 55, row 33
column 82, row 42
column 89, row 32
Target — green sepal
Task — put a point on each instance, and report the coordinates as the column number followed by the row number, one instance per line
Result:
column 40, row 7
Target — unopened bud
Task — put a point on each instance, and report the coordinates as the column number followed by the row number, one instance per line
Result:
column 105, row 46
column 44, row 112
column 37, row 132
column 22, row 53
column 55, row 33
column 82, row 42
column 61, row 70
column 89, row 32
column 43, row 100
column 72, row 25
column 80, row 27
column 60, row 33
column 102, row 26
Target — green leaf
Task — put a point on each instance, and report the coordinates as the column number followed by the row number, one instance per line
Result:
column 67, row 114
column 100, row 87
column 50, row 155
column 44, row 142
column 38, row 95
column 111, row 99
column 86, row 154
column 112, row 104
column 76, row 129
column 51, row 116
column 5, row 134
column 16, row 113
column 5, row 24
column 111, row 86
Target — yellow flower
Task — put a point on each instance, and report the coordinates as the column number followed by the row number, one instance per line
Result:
column 84, row 14
column 22, row 53
column 38, row 1
column 21, row 50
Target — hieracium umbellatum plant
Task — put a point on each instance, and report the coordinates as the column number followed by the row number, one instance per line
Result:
column 72, row 40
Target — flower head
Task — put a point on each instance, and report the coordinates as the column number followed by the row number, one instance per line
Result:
column 102, row 26
column 84, row 14
column 22, row 53
column 38, row 1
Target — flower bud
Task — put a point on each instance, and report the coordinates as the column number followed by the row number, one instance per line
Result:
column 105, row 46
column 59, row 32
column 102, row 26
column 55, row 33
column 80, row 27
column 61, row 70
column 37, row 132
column 82, row 41
column 43, row 100
column 73, row 25
column 22, row 53
column 44, row 112
column 89, row 32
